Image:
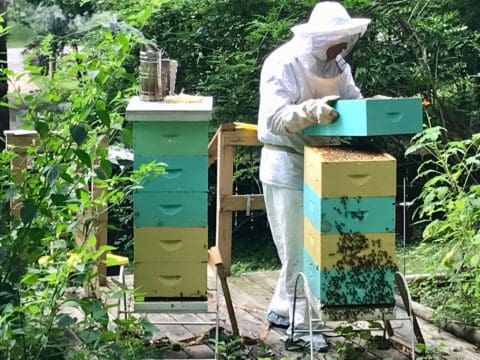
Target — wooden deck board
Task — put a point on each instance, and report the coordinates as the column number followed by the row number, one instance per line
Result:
column 251, row 295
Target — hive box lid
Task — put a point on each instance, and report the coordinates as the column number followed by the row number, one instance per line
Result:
column 370, row 117
column 138, row 110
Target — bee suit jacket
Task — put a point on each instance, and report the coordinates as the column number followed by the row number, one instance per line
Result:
column 298, row 71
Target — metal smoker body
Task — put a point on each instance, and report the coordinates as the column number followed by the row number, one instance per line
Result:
column 157, row 75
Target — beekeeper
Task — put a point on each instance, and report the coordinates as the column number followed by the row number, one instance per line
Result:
column 298, row 82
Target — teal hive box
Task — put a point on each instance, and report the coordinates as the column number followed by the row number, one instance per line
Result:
column 170, row 209
column 170, row 138
column 370, row 117
column 349, row 287
column 349, row 214
column 182, row 173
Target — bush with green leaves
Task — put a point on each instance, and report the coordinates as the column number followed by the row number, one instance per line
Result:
column 75, row 114
column 423, row 48
column 59, row 25
column 450, row 206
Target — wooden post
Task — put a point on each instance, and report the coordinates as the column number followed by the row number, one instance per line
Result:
column 101, row 226
column 18, row 141
column 221, row 148
column 224, row 188
column 216, row 264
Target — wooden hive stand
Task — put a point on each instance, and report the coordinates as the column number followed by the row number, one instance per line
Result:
column 221, row 149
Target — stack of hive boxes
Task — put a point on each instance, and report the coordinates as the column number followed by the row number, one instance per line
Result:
column 170, row 224
column 349, row 211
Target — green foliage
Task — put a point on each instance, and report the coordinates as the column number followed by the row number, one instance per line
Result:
column 75, row 115
column 422, row 48
column 231, row 349
column 61, row 23
column 253, row 250
column 434, row 352
column 19, row 36
column 236, row 348
column 355, row 344
column 450, row 205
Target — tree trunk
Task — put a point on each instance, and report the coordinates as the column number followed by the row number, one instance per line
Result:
column 4, row 111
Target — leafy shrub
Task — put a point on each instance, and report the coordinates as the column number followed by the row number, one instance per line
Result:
column 450, row 205
column 74, row 114
column 422, row 49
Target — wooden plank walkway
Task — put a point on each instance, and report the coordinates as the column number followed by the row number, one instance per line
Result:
column 251, row 293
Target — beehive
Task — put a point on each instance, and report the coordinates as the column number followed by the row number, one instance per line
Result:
column 369, row 117
column 170, row 222
column 349, row 240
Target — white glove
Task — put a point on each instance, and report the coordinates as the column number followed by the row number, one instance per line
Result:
column 320, row 110
column 314, row 111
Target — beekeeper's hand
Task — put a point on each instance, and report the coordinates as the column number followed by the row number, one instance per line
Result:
column 314, row 111
column 320, row 109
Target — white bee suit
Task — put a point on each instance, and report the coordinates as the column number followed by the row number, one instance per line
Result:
column 291, row 77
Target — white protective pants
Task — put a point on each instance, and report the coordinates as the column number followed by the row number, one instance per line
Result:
column 285, row 215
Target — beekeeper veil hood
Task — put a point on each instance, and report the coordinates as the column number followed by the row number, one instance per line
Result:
column 328, row 25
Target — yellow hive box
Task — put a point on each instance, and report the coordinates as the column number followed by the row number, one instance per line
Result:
column 171, row 279
column 335, row 172
column 344, row 251
column 171, row 244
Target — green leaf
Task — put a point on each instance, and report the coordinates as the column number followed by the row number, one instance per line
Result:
column 84, row 157
column 100, row 173
column 106, row 248
column 66, row 321
column 79, row 133
column 102, row 113
column 42, row 128
column 148, row 326
column 106, row 167
column 414, row 148
column 67, row 178
column 89, row 337
column 421, row 347
column 108, row 336
column 28, row 211
column 36, row 234
column 475, row 260
column 91, row 242
column 83, row 194
column 127, row 137
column 52, row 173
column 100, row 315
column 30, row 279
column 58, row 199
column 32, row 308
column 144, row 15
